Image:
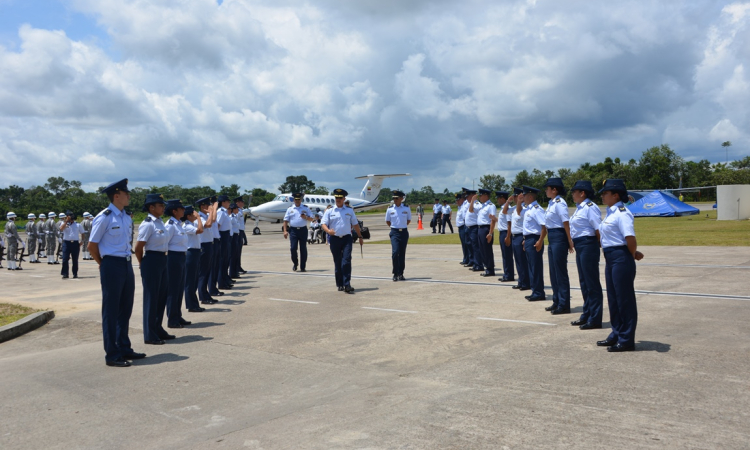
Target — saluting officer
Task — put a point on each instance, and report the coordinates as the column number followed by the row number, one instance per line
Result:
column 208, row 219
column 242, row 216
column 584, row 229
column 338, row 223
column 51, row 234
column 295, row 229
column 41, row 236
column 477, row 264
column 177, row 246
column 11, row 236
column 31, row 238
column 446, row 216
column 225, row 242
column 109, row 245
column 503, row 228
column 236, row 249
column 213, row 281
column 398, row 217
column 620, row 249
column 463, row 207
column 486, row 220
column 154, row 239
column 557, row 227
column 193, row 227
column 516, row 230
column 533, row 245
column 71, row 244
column 85, row 233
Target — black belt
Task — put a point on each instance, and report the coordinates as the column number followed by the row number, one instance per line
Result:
column 555, row 229
column 71, row 241
column 300, row 228
column 398, row 229
column 125, row 258
column 484, row 226
column 518, row 234
column 472, row 226
column 175, row 251
column 152, row 252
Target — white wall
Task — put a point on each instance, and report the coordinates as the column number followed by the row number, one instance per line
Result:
column 728, row 207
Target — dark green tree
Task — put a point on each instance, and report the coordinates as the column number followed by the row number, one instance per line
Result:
column 296, row 183
column 660, row 168
column 493, row 182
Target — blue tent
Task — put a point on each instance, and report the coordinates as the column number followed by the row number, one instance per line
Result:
column 660, row 204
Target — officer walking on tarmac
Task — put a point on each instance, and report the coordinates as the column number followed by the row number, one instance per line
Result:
column 71, row 244
column 398, row 217
column 295, row 229
column 109, row 245
column 338, row 223
column 446, row 216
column 437, row 212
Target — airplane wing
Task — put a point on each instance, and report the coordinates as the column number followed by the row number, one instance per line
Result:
column 369, row 206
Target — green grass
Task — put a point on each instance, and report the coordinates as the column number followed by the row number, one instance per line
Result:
column 9, row 313
column 697, row 230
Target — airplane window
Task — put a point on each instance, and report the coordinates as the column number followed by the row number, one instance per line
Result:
column 317, row 200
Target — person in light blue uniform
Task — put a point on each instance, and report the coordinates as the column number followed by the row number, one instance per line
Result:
column 620, row 248
column 486, row 219
column 533, row 243
column 516, row 238
column 208, row 219
column 398, row 217
column 225, row 241
column 338, row 223
column 151, row 252
column 109, row 245
column 295, row 229
column 445, row 213
column 177, row 253
column 463, row 207
column 503, row 226
column 71, row 244
column 557, row 228
column 477, row 265
column 437, row 211
column 193, row 227
column 213, row 284
column 236, row 250
column 584, row 229
column 241, row 217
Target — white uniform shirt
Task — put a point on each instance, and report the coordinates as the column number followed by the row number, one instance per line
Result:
column 208, row 232
column 178, row 239
column 191, row 230
column 153, row 232
column 533, row 219
column 556, row 214
column 215, row 228
column 446, row 210
column 111, row 230
column 293, row 215
column 398, row 215
column 516, row 220
column 486, row 210
column 437, row 208
column 471, row 217
column 461, row 214
column 618, row 224
column 71, row 232
column 340, row 220
column 502, row 219
column 235, row 221
column 241, row 217
column 585, row 220
column 225, row 223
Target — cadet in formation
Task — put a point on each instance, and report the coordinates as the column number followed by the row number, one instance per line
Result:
column 295, row 229
column 151, row 252
column 225, row 243
column 193, row 226
column 584, row 230
column 85, row 234
column 71, row 244
column 477, row 264
column 41, row 237
column 242, row 216
column 109, row 246
column 208, row 219
column 236, row 249
column 533, row 245
column 398, row 217
column 177, row 248
column 557, row 227
column 503, row 226
column 213, row 283
column 516, row 231
column 620, row 249
column 486, row 219
column 462, row 207
column 338, row 223
column 51, row 234
column 12, row 239
column 32, row 237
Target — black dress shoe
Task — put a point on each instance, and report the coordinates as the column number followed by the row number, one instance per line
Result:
column 168, row 337
column 401, row 278
column 75, row 276
column 589, row 326
column 185, row 322
column 64, row 277
column 505, row 280
column 118, row 363
column 395, row 278
column 621, row 348
column 606, row 343
column 341, row 288
column 218, row 294
column 294, row 267
column 559, row 311
column 208, row 302
column 158, row 342
column 178, row 325
column 135, row 356
column 463, row 263
column 550, row 308
column 516, row 287
column 303, row 270
column 531, row 298
column 577, row 322
column 196, row 309
column 348, row 289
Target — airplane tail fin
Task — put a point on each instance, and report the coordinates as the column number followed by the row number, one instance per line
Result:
column 374, row 182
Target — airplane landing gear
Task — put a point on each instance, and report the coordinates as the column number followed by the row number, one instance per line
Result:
column 256, row 231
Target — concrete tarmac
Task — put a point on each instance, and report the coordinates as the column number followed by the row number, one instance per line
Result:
column 446, row 359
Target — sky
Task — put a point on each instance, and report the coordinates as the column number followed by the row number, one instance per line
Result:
column 207, row 92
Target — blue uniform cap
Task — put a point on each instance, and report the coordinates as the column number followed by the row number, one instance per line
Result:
column 484, row 191
column 530, row 190
column 585, row 186
column 396, row 193
column 174, row 204
column 502, row 194
column 152, row 199
column 615, row 185
column 297, row 195
column 556, row 183
column 204, row 201
column 213, row 198
column 238, row 199
column 233, row 206
column 459, row 196
column 470, row 192
column 517, row 190
column 340, row 193
column 188, row 210
column 223, row 198
column 117, row 186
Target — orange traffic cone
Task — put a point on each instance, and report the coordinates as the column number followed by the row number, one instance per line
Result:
column 419, row 224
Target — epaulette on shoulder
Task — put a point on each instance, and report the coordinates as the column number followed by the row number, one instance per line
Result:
column 590, row 204
column 106, row 212
column 622, row 208
column 147, row 219
column 557, row 200
column 536, row 206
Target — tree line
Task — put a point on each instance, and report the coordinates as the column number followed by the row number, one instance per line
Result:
column 658, row 168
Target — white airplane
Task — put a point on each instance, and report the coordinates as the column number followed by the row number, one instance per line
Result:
column 274, row 210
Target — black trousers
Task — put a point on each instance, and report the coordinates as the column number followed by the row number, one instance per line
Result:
column 341, row 249
column 204, row 270
column 298, row 238
column 118, row 289
column 192, row 268
column 213, row 281
column 70, row 250
column 485, row 248
column 226, row 245
column 399, row 240
column 155, row 288
column 243, row 237
column 507, row 255
column 447, row 221
column 176, row 286
column 235, row 251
